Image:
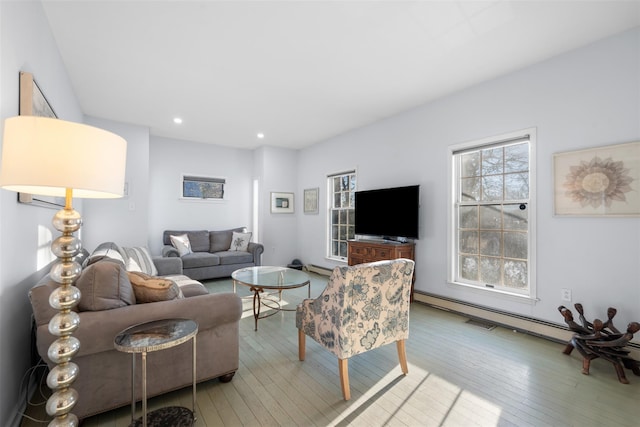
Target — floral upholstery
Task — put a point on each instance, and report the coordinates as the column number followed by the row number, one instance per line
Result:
column 363, row 307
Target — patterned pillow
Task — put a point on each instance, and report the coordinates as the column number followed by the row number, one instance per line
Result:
column 240, row 241
column 153, row 289
column 182, row 244
column 142, row 257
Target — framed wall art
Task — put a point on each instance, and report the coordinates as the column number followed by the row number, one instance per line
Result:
column 34, row 103
column 311, row 200
column 281, row 202
column 603, row 181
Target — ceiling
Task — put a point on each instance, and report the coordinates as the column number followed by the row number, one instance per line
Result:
column 302, row 71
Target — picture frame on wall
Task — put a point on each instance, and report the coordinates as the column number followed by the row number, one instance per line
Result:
column 282, row 203
column 598, row 182
column 311, row 200
column 34, row 103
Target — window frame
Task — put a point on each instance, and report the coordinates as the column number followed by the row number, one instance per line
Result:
column 452, row 217
column 202, row 178
column 330, row 209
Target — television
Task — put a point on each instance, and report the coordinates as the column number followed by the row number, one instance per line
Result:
column 388, row 213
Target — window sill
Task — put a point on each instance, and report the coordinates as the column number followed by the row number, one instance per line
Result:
column 510, row 296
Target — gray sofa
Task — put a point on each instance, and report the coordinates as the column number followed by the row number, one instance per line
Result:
column 211, row 257
column 104, row 380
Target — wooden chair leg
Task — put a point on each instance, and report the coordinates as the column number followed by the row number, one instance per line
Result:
column 402, row 355
column 301, row 344
column 343, row 367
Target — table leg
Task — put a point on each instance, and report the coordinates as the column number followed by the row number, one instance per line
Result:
column 133, row 388
column 256, row 307
column 193, row 368
column 144, row 389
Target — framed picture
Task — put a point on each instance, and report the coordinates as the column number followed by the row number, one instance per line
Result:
column 33, row 103
column 603, row 181
column 281, row 202
column 311, row 200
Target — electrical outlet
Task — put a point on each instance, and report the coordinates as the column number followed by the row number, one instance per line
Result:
column 565, row 294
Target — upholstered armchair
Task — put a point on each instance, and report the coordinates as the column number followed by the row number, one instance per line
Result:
column 363, row 307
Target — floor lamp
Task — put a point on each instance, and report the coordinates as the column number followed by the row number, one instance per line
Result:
column 53, row 157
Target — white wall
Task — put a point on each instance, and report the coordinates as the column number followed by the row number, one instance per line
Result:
column 168, row 159
column 25, row 44
column 586, row 98
column 124, row 220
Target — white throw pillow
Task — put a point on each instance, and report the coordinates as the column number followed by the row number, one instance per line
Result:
column 182, row 244
column 142, row 257
column 132, row 265
column 240, row 241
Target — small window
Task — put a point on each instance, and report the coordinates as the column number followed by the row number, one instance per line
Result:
column 342, row 189
column 202, row 187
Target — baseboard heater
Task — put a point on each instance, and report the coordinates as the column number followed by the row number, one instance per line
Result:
column 549, row 330
column 318, row 269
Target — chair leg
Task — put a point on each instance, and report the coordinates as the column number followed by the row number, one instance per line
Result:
column 301, row 344
column 402, row 355
column 343, row 366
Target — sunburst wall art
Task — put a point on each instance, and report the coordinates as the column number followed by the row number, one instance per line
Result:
column 603, row 181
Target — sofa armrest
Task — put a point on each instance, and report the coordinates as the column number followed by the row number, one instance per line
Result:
column 256, row 249
column 98, row 329
column 170, row 251
column 168, row 266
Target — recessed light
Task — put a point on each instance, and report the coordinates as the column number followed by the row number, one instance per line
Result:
column 260, row 135
column 177, row 120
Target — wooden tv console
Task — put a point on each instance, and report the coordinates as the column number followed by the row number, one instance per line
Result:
column 362, row 251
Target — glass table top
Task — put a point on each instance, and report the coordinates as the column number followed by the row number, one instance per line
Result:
column 267, row 277
column 156, row 335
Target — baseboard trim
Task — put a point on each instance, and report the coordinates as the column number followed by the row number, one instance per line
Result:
column 549, row 330
column 318, row 269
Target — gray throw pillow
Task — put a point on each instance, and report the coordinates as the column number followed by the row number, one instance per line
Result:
column 104, row 285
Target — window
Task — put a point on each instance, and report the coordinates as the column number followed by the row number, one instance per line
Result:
column 202, row 187
column 492, row 216
column 342, row 188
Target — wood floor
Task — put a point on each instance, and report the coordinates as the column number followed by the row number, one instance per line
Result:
column 460, row 374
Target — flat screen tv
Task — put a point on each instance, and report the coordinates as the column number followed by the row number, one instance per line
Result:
column 388, row 213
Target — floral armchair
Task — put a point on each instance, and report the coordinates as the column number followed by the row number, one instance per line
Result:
column 363, row 307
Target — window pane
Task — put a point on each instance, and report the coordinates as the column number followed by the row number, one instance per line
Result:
column 492, row 161
column 491, row 243
column 344, row 200
column 491, row 217
column 469, row 268
column 344, row 186
column 515, row 274
column 336, row 201
column 515, row 218
column 351, row 232
column 516, row 158
column 491, row 270
column 516, row 186
column 343, row 249
column 515, row 245
column 492, row 188
column 470, row 164
column 352, row 180
column 468, row 242
column 336, row 184
column 470, row 189
column 468, row 216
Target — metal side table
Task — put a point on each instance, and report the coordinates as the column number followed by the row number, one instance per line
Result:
column 155, row 336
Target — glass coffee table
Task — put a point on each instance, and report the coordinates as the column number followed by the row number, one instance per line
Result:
column 265, row 278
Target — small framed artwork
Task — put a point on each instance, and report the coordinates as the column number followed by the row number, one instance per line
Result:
column 281, row 202
column 603, row 181
column 311, row 200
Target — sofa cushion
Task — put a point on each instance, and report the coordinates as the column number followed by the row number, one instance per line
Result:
column 240, row 241
column 104, row 285
column 200, row 259
column 152, row 289
column 142, row 257
column 235, row 257
column 181, row 243
column 188, row 286
column 221, row 240
column 199, row 239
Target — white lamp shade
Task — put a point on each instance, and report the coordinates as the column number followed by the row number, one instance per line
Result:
column 46, row 156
